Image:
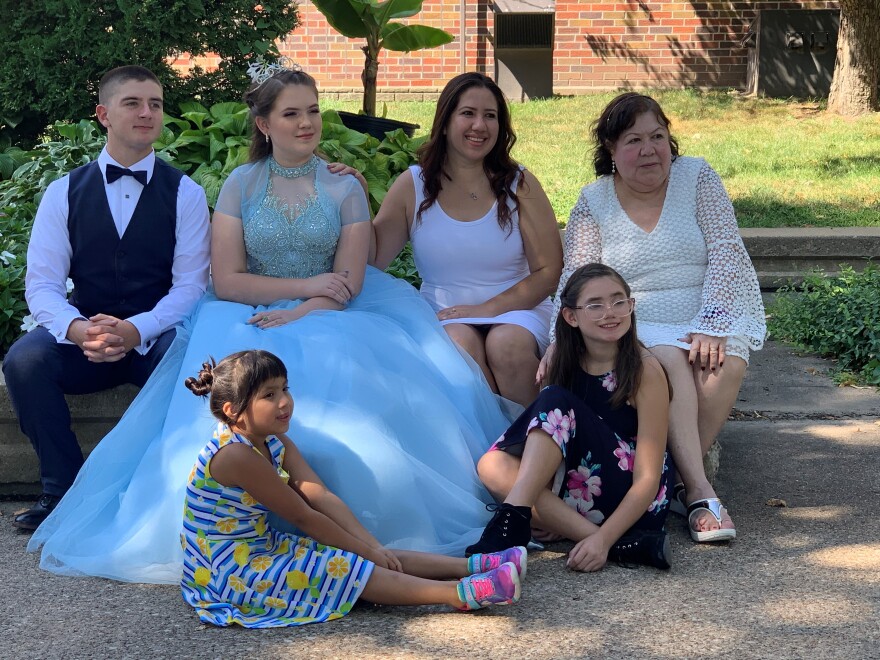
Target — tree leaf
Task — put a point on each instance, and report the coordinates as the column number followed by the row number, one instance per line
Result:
column 345, row 16
column 406, row 38
column 398, row 9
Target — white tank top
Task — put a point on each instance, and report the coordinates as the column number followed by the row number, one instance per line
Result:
column 465, row 263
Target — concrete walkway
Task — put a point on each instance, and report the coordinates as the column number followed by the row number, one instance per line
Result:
column 799, row 473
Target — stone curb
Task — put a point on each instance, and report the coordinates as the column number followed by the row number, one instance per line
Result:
column 781, row 256
column 93, row 416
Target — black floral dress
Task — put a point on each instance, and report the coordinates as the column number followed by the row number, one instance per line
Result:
column 598, row 446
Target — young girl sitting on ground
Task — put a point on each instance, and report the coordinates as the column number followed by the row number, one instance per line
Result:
column 237, row 569
column 569, row 463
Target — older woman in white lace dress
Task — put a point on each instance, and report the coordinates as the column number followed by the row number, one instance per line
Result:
column 666, row 224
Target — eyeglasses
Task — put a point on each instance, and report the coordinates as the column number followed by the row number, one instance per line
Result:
column 598, row 311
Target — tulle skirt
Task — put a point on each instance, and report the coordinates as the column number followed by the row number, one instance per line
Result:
column 388, row 412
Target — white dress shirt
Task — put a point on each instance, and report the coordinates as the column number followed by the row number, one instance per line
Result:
column 49, row 253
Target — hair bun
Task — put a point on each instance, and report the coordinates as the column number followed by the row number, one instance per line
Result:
column 201, row 384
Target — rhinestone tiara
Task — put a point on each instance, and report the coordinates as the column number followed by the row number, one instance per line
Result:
column 260, row 71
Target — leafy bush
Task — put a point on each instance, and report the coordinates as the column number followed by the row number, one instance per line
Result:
column 70, row 146
column 381, row 163
column 834, row 316
column 15, row 229
column 12, row 304
column 207, row 144
column 404, row 267
column 47, row 44
column 10, row 157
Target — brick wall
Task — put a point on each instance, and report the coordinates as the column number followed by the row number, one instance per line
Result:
column 598, row 45
column 673, row 43
column 336, row 62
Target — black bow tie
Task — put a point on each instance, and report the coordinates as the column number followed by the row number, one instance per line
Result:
column 114, row 172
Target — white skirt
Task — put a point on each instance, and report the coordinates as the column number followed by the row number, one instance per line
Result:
column 536, row 321
column 666, row 334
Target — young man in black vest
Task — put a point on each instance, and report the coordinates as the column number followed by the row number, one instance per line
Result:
column 132, row 234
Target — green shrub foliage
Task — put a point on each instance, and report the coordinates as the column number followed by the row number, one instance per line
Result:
column 835, row 316
column 50, row 43
column 205, row 142
column 381, row 162
column 69, row 146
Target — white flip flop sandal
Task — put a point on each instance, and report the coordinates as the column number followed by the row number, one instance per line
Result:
column 712, row 505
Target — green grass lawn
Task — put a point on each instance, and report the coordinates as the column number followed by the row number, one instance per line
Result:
column 784, row 163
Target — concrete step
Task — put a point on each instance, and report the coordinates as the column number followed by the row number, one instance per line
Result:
column 784, row 255
column 93, row 416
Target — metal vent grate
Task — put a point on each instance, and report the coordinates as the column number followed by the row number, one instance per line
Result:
column 524, row 30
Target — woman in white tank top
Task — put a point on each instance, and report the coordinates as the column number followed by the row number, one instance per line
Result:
column 484, row 236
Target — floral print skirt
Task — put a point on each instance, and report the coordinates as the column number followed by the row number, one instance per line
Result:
column 598, row 446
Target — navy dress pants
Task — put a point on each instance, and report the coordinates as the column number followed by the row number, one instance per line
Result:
column 39, row 372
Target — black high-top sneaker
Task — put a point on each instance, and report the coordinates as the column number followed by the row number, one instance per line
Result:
column 647, row 547
column 510, row 526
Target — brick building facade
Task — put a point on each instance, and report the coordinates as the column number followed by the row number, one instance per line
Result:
column 596, row 45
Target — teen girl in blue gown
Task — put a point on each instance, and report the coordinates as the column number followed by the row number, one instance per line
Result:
column 388, row 412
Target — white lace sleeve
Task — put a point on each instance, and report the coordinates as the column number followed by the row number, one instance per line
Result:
column 582, row 245
column 732, row 304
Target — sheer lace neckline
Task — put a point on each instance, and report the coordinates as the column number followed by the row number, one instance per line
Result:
column 616, row 201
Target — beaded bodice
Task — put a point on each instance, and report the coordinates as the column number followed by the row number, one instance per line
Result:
column 292, row 232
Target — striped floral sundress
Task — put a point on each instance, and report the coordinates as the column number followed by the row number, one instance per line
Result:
column 239, row 570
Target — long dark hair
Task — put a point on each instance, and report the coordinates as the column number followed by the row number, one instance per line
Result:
column 499, row 167
column 571, row 349
column 260, row 98
column 235, row 379
column 618, row 116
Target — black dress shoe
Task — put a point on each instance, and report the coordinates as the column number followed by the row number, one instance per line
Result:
column 31, row 519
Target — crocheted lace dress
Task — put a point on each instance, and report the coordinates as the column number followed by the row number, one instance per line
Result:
column 690, row 274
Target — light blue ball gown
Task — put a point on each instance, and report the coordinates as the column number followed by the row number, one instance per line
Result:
column 387, row 410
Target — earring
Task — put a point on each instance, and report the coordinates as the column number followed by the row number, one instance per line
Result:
column 267, row 138
column 613, row 164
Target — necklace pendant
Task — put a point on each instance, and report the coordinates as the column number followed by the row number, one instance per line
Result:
column 473, row 195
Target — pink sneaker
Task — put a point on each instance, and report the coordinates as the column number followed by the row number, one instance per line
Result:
column 497, row 587
column 518, row 556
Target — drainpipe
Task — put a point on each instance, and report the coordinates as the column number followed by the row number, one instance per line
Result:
column 462, row 20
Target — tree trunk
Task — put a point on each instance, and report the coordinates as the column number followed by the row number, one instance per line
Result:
column 368, row 78
column 857, row 69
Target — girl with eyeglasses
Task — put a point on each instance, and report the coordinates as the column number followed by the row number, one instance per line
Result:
column 587, row 459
